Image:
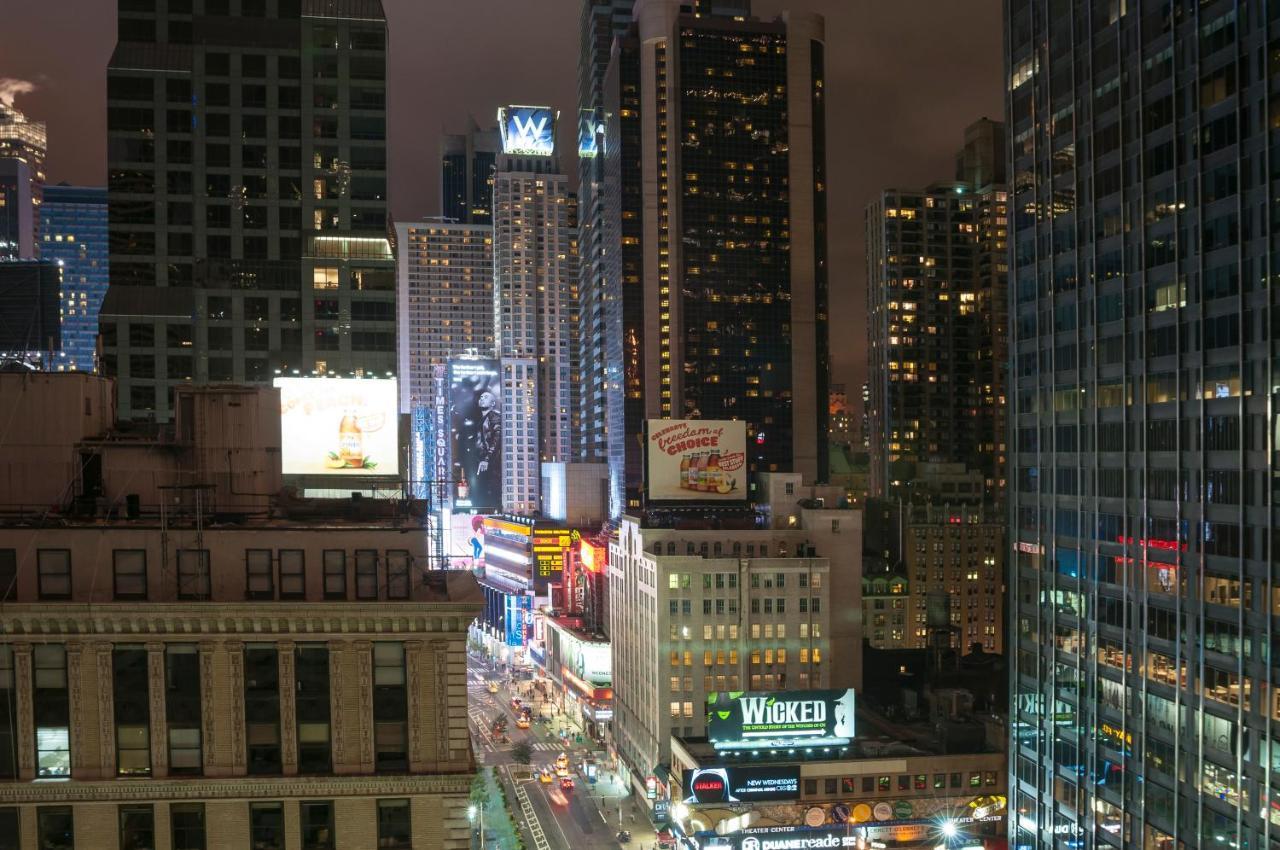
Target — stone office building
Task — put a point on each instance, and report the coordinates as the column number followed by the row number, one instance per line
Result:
column 266, row 674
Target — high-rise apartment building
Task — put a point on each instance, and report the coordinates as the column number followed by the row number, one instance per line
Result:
column 74, row 235
column 445, row 292
column 286, row 678
column 535, row 300
column 247, row 180
column 600, row 23
column 716, row 254
column 1143, row 416
column 935, row 272
column 22, row 150
column 468, row 162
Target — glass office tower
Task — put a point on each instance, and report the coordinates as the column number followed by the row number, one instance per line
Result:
column 74, row 225
column 1143, row 406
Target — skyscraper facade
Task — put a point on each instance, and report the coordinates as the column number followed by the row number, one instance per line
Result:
column 935, row 281
column 74, row 235
column 445, row 292
column 22, row 150
column 600, row 23
column 467, row 164
column 719, row 288
column 535, row 299
column 247, row 172
column 1143, row 407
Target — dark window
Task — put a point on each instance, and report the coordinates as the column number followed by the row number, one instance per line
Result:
column 266, row 826
column 9, row 835
column 317, row 825
column 8, row 717
column 53, row 571
column 259, row 580
column 394, row 829
column 335, row 574
column 132, row 710
column 51, row 708
column 293, row 574
column 182, row 708
column 366, row 574
column 55, row 828
column 130, row 567
column 390, row 708
column 187, row 820
column 137, row 828
column 398, row 574
column 8, row 575
column 262, row 709
column 193, row 573
column 311, row 665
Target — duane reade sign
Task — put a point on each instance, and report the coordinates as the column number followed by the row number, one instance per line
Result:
column 747, row 720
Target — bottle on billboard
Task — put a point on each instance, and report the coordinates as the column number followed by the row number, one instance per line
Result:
column 464, row 491
column 684, row 472
column 711, row 480
column 350, row 441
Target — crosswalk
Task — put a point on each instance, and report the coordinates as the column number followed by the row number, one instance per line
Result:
column 547, row 746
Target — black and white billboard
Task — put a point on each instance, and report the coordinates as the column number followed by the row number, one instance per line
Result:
column 742, row 784
column 475, row 424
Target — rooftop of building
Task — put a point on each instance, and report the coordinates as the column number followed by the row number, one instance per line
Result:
column 575, row 624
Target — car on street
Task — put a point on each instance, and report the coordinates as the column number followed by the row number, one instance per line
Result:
column 493, row 687
column 522, row 722
column 566, row 783
column 623, row 836
column 515, row 703
column 545, row 777
column 562, row 761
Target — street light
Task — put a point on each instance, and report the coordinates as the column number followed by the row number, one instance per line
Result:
column 474, row 811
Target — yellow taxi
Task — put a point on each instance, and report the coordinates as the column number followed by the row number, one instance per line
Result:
column 545, row 776
column 522, row 723
column 493, row 687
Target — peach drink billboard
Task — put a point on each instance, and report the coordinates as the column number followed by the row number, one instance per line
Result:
column 696, row 460
column 339, row 426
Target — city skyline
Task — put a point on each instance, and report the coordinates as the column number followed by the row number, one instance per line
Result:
column 914, row 121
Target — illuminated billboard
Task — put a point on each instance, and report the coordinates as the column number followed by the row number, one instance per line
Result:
column 696, row 460
column 339, row 426
column 549, row 548
column 464, row 544
column 475, row 426
column 739, row 720
column 742, row 784
column 589, row 131
column 527, row 130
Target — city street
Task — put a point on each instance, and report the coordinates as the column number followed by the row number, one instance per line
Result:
column 585, row 817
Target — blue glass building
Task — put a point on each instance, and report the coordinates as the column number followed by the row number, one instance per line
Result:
column 74, row 233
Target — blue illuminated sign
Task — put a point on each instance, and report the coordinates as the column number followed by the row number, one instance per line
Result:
column 589, row 130
column 527, row 130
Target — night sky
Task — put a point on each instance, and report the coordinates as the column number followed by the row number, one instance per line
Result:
column 904, row 78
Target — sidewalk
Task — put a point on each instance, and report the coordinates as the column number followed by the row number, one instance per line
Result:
column 499, row 828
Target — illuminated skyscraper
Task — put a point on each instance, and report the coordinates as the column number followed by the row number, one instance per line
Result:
column 467, row 164
column 935, row 261
column 74, row 234
column 22, row 150
column 1144, row 383
column 715, row 234
column 535, row 300
column 600, row 23
column 247, row 172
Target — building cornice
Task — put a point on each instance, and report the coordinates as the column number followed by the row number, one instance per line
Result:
column 238, row 788
column 58, row 619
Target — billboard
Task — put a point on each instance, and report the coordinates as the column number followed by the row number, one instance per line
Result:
column 339, row 426
column 696, row 460
column 464, row 547
column 738, row 720
column 785, row 838
column 549, row 548
column 475, row 430
column 527, row 130
column 590, row 129
column 765, row 783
